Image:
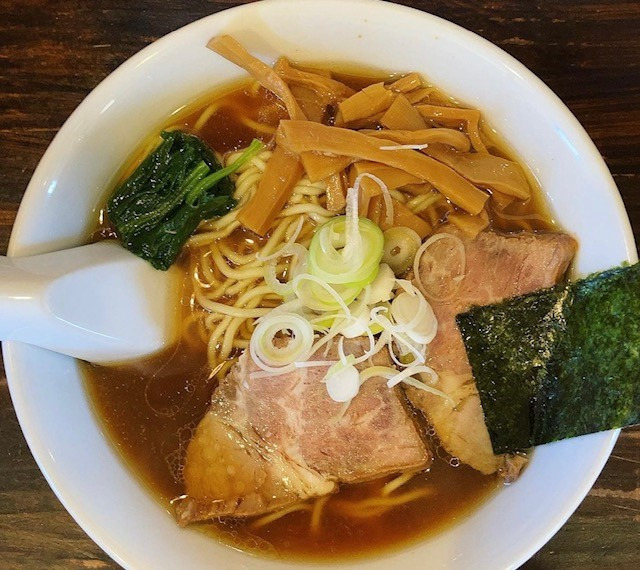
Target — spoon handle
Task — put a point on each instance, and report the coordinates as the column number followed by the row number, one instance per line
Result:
column 21, row 300
column 96, row 302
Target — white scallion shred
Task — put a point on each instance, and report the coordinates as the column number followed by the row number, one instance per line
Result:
column 386, row 195
column 404, row 146
column 421, row 252
column 426, row 388
column 346, row 294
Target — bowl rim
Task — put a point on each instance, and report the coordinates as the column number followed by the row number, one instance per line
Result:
column 11, row 349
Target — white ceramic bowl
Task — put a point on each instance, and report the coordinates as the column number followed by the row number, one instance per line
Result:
column 70, row 183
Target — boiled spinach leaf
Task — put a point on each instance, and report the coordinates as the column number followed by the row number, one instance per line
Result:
column 176, row 187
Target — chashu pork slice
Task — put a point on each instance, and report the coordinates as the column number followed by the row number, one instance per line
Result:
column 266, row 443
column 497, row 266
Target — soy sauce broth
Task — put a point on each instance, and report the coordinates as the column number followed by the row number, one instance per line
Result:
column 150, row 413
column 149, row 410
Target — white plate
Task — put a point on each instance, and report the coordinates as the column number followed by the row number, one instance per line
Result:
column 70, row 183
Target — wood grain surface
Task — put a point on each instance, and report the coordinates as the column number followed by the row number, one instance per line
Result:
column 52, row 53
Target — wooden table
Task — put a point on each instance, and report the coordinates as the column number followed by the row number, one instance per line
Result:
column 53, row 53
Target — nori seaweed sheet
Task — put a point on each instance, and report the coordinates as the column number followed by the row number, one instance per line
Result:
column 560, row 362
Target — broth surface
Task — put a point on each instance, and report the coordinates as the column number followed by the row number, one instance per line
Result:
column 150, row 409
column 150, row 414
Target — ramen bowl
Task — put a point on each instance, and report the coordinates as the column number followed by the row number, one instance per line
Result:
column 70, row 185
